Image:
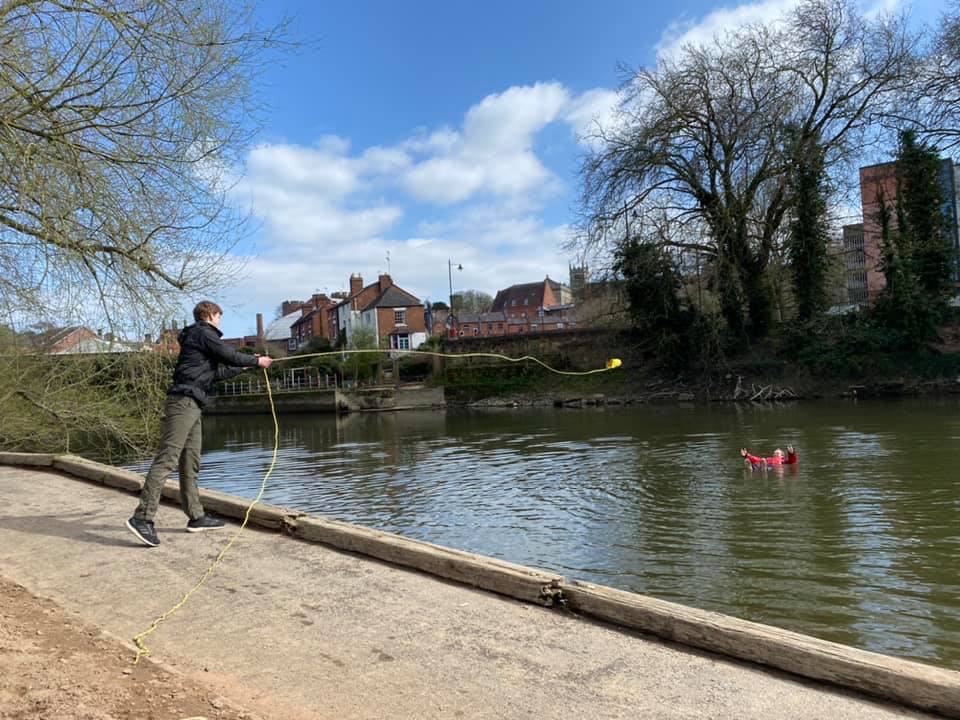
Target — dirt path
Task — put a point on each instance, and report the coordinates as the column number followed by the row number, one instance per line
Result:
column 55, row 666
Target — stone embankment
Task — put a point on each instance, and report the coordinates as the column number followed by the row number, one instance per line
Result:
column 729, row 391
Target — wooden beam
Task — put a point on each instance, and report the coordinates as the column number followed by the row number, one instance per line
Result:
column 910, row 683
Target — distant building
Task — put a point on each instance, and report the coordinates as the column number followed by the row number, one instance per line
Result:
column 579, row 277
column 394, row 316
column 529, row 307
column 314, row 321
column 488, row 324
column 79, row 340
column 878, row 189
column 855, row 265
column 278, row 337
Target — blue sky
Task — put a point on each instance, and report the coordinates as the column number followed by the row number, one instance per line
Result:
column 438, row 131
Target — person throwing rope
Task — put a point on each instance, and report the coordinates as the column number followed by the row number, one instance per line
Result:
column 778, row 459
column 204, row 359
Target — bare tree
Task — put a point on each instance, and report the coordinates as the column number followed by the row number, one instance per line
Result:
column 120, row 124
column 472, row 301
column 702, row 139
column 939, row 100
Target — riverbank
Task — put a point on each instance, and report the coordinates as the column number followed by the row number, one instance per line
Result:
column 338, row 635
column 633, row 385
column 780, row 368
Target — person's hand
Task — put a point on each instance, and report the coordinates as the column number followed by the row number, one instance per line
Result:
column 743, row 452
column 790, row 449
column 264, row 361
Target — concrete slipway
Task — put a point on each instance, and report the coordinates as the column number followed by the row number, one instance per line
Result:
column 301, row 629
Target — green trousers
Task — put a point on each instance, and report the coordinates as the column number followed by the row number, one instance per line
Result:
column 180, row 450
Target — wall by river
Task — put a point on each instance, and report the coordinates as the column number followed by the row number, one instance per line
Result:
column 581, row 349
column 330, row 401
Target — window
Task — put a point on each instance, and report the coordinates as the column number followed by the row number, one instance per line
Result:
column 513, row 302
column 526, row 301
column 291, row 344
column 403, row 342
column 399, row 317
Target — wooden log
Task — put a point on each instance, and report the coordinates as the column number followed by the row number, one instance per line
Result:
column 262, row 515
column 486, row 573
column 98, row 472
column 910, row 683
column 31, row 459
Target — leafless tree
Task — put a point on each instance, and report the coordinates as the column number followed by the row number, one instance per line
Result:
column 472, row 301
column 702, row 138
column 939, row 101
column 121, row 123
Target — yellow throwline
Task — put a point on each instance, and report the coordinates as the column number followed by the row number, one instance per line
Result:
column 138, row 640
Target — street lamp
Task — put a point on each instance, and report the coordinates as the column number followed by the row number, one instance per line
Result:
column 450, row 278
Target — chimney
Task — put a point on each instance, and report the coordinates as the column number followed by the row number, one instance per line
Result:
column 260, row 328
column 290, row 306
column 384, row 281
column 356, row 283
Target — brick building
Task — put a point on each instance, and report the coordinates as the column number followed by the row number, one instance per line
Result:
column 394, row 316
column 878, row 189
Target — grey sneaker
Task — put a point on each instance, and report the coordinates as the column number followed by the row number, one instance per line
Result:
column 144, row 531
column 205, row 522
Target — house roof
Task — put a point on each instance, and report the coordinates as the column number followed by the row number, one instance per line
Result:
column 393, row 297
column 279, row 329
column 307, row 316
column 64, row 333
column 97, row 346
column 516, row 294
column 481, row 317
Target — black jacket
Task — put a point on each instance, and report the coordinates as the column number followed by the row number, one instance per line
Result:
column 205, row 359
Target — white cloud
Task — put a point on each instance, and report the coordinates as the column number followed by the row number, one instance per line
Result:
column 726, row 19
column 315, row 170
column 494, row 250
column 718, row 22
column 590, row 112
column 302, row 193
column 474, row 195
column 384, row 161
column 493, row 153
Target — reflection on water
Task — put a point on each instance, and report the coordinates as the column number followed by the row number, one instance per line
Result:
column 857, row 544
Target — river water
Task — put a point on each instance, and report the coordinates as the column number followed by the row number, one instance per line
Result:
column 859, row 543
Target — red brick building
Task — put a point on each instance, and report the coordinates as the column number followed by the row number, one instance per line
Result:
column 530, row 307
column 315, row 320
column 394, row 316
column 878, row 188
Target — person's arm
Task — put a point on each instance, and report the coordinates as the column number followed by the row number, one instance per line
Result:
column 214, row 346
column 791, row 456
column 754, row 460
column 225, row 372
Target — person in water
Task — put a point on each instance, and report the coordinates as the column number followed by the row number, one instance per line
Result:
column 778, row 459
